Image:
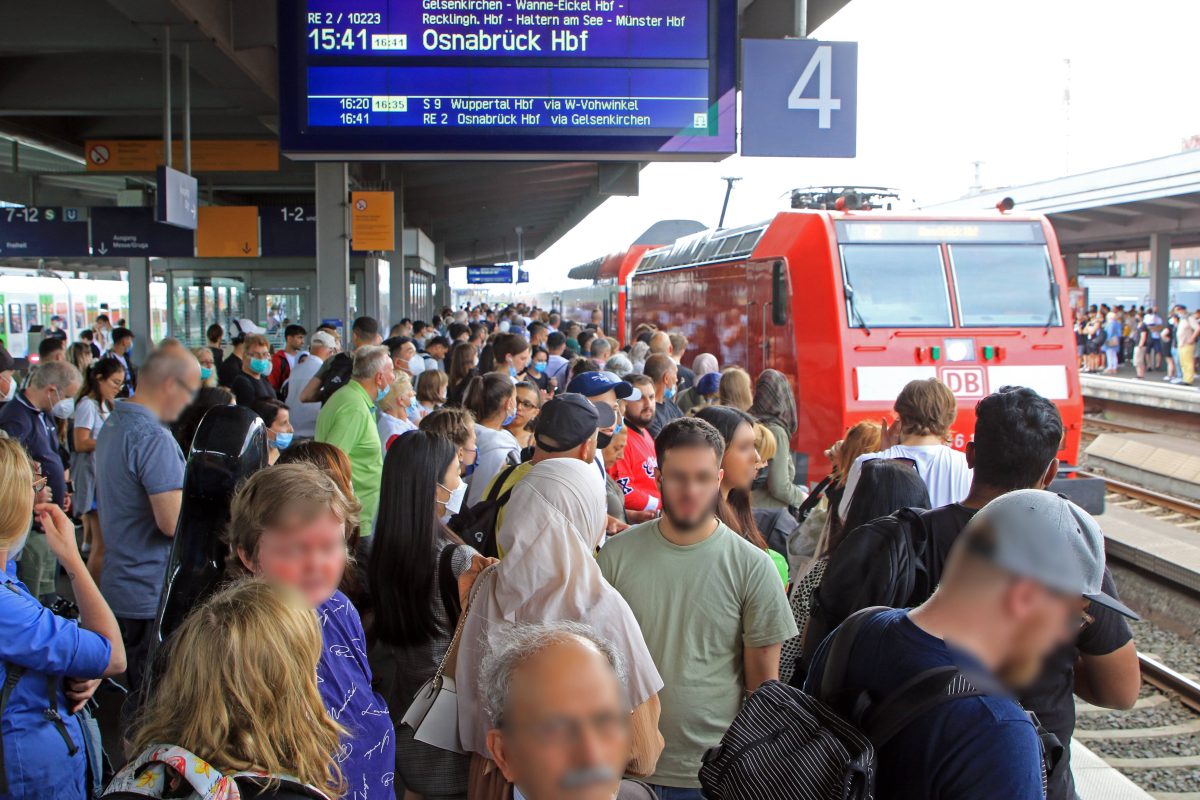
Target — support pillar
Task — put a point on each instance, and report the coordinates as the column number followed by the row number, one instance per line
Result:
column 138, row 316
column 332, row 300
column 399, row 287
column 1160, row 272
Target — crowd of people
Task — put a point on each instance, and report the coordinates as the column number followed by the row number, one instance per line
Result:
column 500, row 555
column 1107, row 337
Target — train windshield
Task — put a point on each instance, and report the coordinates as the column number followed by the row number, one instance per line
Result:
column 896, row 286
column 1004, row 284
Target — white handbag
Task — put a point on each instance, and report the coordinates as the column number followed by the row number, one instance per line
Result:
column 433, row 713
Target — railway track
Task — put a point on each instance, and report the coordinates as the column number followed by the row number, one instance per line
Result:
column 1178, row 509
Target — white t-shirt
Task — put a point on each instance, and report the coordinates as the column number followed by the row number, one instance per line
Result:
column 943, row 469
column 89, row 415
column 390, row 426
column 303, row 416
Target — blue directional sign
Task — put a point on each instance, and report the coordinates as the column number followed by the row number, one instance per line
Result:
column 799, row 98
column 288, row 231
column 132, row 232
column 502, row 273
column 177, row 198
column 40, row 232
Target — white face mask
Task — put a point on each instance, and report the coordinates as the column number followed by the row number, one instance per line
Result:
column 64, row 408
column 416, row 365
column 454, row 503
column 11, row 392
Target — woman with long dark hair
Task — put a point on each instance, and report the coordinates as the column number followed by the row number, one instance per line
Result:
column 492, row 401
column 102, row 382
column 740, row 466
column 460, row 368
column 416, row 568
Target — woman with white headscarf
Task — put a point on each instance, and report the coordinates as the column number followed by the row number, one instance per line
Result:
column 553, row 524
column 690, row 398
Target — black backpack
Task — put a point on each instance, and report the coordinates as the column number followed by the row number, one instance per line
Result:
column 881, row 563
column 337, row 376
column 785, row 743
column 477, row 525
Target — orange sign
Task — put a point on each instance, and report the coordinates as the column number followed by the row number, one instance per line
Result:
column 208, row 155
column 372, row 221
column 227, row 232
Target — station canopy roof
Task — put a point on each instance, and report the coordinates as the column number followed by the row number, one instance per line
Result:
column 1115, row 208
column 73, row 70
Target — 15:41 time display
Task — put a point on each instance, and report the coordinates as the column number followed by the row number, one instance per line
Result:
column 334, row 39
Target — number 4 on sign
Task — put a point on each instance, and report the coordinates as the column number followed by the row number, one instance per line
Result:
column 823, row 103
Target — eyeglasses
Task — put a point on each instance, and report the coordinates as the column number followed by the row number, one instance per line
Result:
column 527, row 404
column 39, row 483
column 191, row 393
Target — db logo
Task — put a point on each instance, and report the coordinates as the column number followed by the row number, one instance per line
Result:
column 964, row 381
column 361, row 205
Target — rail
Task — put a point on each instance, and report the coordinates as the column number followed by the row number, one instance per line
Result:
column 1134, row 492
column 1162, row 677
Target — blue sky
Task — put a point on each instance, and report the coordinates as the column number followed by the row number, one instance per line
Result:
column 945, row 83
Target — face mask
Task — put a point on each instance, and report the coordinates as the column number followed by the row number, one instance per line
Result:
column 382, row 393
column 205, row 373
column 283, row 440
column 508, row 420
column 262, row 366
column 64, row 408
column 416, row 365
column 539, row 366
column 620, row 427
column 454, row 503
column 669, row 393
column 512, row 371
column 12, row 390
column 603, row 439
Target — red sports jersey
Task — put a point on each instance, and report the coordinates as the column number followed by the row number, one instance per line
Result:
column 634, row 473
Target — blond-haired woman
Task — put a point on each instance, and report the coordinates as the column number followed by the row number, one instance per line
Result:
column 52, row 664
column 291, row 524
column 393, row 411
column 247, row 657
column 735, row 390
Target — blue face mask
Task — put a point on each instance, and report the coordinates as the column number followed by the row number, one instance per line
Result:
column 620, row 426
column 261, row 366
column 382, row 393
column 512, row 371
column 669, row 393
column 205, row 373
column 283, row 440
column 539, row 366
column 508, row 420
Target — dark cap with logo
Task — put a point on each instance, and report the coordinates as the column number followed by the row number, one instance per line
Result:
column 569, row 420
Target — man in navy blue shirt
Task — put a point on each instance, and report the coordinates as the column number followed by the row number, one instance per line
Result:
column 1015, row 588
column 28, row 418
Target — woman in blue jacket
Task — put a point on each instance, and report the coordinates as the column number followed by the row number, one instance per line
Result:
column 51, row 665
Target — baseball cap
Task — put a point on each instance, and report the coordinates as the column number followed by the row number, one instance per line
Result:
column 247, row 326
column 709, row 383
column 590, row 384
column 569, row 420
column 1045, row 537
column 323, row 338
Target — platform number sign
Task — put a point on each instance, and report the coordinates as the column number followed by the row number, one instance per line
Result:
column 799, row 98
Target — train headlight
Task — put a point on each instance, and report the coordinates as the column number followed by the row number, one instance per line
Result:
column 960, row 349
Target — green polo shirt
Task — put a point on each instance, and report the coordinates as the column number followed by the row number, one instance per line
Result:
column 347, row 421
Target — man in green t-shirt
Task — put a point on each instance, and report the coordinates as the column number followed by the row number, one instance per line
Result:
column 709, row 604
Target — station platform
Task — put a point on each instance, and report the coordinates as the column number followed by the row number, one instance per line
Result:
column 1152, row 544
column 1159, row 461
column 1096, row 780
column 1152, row 392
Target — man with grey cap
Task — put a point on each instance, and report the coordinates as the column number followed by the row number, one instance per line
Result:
column 1015, row 587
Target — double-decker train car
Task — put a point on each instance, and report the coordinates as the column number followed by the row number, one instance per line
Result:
column 852, row 306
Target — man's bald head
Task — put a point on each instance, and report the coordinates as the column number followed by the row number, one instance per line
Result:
column 168, row 382
column 660, row 343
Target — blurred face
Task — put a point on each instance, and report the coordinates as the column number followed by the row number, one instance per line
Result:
column 206, row 359
column 1045, row 620
column 111, row 386
column 438, row 351
column 641, row 412
column 740, row 464
column 566, row 729
column 520, row 361
column 6, row 382
column 309, row 555
column 527, row 407
column 468, row 453
column 295, row 342
column 178, row 394
column 690, row 481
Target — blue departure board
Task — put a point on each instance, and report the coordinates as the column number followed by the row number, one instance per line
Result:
column 646, row 79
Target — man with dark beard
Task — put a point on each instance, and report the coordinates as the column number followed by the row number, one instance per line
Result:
column 709, row 603
column 634, row 472
column 1015, row 588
